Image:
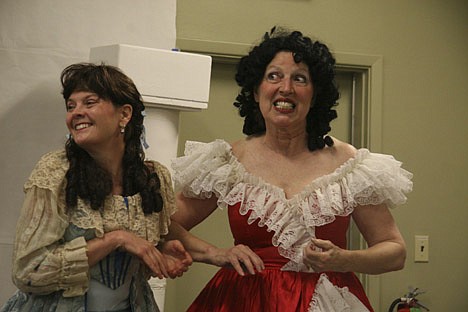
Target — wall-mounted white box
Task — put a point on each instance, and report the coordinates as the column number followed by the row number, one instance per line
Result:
column 165, row 78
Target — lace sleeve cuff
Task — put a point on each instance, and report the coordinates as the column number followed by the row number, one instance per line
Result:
column 75, row 268
column 66, row 268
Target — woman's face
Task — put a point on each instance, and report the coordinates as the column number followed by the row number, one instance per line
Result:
column 94, row 122
column 285, row 93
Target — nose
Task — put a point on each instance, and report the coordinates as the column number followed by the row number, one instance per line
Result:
column 286, row 87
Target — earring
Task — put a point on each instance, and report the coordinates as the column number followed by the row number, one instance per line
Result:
column 122, row 129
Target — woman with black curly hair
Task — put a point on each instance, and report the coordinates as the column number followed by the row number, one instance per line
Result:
column 89, row 234
column 291, row 190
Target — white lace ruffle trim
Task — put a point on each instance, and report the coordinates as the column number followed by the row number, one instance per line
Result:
column 368, row 178
column 328, row 297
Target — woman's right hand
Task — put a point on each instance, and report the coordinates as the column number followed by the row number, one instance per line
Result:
column 177, row 258
column 146, row 252
column 240, row 257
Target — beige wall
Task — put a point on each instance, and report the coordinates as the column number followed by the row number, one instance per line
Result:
column 424, row 45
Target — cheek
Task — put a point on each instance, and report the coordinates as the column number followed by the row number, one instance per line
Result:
column 256, row 94
column 264, row 93
column 307, row 96
column 68, row 120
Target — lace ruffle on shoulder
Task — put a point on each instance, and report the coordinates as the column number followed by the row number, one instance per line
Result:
column 368, row 178
column 49, row 172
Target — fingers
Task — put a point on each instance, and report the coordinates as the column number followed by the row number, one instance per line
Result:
column 156, row 263
column 173, row 246
column 177, row 270
column 243, row 259
column 321, row 245
column 181, row 253
column 146, row 252
column 178, row 259
column 177, row 267
column 321, row 255
column 312, row 258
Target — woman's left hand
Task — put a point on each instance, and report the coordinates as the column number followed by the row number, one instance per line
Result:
column 322, row 255
column 177, row 258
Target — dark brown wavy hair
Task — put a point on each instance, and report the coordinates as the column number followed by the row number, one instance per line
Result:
column 85, row 178
column 321, row 64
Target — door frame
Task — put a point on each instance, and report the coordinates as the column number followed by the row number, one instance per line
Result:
column 367, row 71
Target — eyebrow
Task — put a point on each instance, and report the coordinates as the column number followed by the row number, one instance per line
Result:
column 92, row 94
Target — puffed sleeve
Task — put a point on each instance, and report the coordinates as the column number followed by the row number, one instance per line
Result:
column 42, row 261
column 206, row 169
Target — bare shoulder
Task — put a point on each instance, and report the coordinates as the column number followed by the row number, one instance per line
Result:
column 237, row 144
column 342, row 151
column 240, row 147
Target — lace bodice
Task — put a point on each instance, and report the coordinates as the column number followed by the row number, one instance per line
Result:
column 118, row 212
column 48, row 255
column 209, row 169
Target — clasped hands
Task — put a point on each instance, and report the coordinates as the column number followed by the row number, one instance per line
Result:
column 167, row 259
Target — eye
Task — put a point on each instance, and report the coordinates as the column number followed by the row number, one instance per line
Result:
column 301, row 79
column 91, row 101
column 70, row 106
column 273, row 77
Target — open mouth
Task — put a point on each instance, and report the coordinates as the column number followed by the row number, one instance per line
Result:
column 82, row 126
column 284, row 106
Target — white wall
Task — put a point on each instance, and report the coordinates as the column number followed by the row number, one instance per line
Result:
column 38, row 38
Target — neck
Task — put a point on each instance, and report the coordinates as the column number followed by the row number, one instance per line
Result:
column 286, row 143
column 111, row 161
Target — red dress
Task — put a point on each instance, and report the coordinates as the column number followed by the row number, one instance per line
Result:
column 277, row 228
column 272, row 289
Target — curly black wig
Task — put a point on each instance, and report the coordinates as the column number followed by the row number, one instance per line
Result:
column 85, row 178
column 321, row 64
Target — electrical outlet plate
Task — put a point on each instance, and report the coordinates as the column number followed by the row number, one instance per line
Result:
column 421, row 248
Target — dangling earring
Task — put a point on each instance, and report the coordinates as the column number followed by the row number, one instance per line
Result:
column 122, row 129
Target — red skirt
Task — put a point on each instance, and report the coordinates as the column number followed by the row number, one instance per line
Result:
column 268, row 291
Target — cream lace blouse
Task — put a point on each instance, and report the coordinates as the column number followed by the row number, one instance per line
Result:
column 44, row 261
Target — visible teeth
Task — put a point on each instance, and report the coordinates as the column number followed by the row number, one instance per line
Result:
column 284, row 105
column 81, row 126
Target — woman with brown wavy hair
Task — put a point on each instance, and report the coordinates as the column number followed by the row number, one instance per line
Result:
column 89, row 234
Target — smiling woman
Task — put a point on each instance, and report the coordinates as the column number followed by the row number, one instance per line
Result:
column 92, row 121
column 90, row 231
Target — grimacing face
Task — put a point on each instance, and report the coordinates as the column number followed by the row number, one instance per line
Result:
column 285, row 92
